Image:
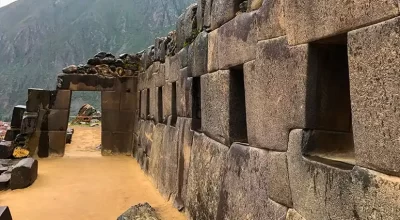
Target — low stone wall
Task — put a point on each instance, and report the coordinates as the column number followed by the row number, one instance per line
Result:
column 275, row 110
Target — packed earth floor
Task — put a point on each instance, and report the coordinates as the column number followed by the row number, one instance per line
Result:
column 85, row 185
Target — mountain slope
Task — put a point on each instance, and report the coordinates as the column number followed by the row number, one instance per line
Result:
column 39, row 37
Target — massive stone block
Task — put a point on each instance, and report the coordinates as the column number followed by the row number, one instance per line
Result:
column 11, row 134
column 183, row 94
column 374, row 57
column 203, row 190
column 376, row 195
column 185, row 140
column 186, row 27
column 167, row 101
column 222, row 11
column 146, row 136
column 24, row 173
column 201, row 7
column 223, row 118
column 110, row 100
column 270, row 20
column 116, row 143
column 309, row 20
column 275, row 89
column 18, row 114
column 29, row 122
column 325, row 189
column 157, row 153
column 169, row 163
column 320, row 189
column 159, row 76
column 57, row 120
column 237, row 41
column 244, row 193
column 37, row 98
column 51, row 143
column 215, row 105
column 79, row 82
column 213, row 62
column 172, row 68
column 198, row 55
column 277, row 178
column 60, row 99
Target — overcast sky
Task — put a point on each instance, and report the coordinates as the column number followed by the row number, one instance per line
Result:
column 5, row 2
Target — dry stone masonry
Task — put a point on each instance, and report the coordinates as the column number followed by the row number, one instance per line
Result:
column 259, row 109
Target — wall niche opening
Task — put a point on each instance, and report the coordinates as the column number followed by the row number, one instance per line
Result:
column 237, row 106
column 147, row 116
column 174, row 114
column 160, row 115
column 196, row 104
column 328, row 104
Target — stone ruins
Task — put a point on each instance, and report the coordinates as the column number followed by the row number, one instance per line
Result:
column 252, row 109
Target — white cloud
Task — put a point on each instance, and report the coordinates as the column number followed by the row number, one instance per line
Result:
column 5, row 2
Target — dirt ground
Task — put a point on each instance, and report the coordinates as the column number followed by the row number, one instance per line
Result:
column 85, row 185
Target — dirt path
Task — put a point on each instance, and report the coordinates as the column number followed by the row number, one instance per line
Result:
column 84, row 185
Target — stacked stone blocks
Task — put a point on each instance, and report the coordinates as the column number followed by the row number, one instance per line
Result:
column 320, row 87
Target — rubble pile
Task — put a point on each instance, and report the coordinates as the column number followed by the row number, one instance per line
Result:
column 106, row 64
column 87, row 114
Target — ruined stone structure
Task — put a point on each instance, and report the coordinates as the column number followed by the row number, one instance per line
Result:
column 258, row 109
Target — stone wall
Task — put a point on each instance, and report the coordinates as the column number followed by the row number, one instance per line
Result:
column 275, row 109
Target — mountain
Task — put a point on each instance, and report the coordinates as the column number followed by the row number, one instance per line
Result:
column 40, row 37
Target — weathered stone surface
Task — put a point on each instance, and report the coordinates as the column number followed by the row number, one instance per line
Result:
column 186, row 28
column 183, row 57
column 140, row 212
column 201, row 6
column 80, row 82
column 70, row 69
column 237, row 41
column 203, row 190
column 215, row 105
column 376, row 195
column 294, row 215
column 254, row 4
column 24, row 173
column 198, row 55
column 158, row 110
column 17, row 116
column 114, row 143
column 169, row 163
column 146, row 136
column 275, row 89
column 61, row 99
column 319, row 190
column 277, row 181
column 57, row 120
column 222, row 11
column 143, row 104
column 52, row 143
column 183, row 94
column 244, row 193
column 110, row 100
column 156, row 154
column 185, row 140
column 29, row 122
column 167, row 101
column 213, row 62
column 35, row 99
column 172, row 67
column 311, row 20
column 375, row 84
column 6, row 149
column 5, row 213
column 270, row 19
column 159, row 76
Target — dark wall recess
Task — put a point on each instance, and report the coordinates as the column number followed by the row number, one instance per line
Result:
column 328, row 104
column 196, row 104
column 237, row 106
